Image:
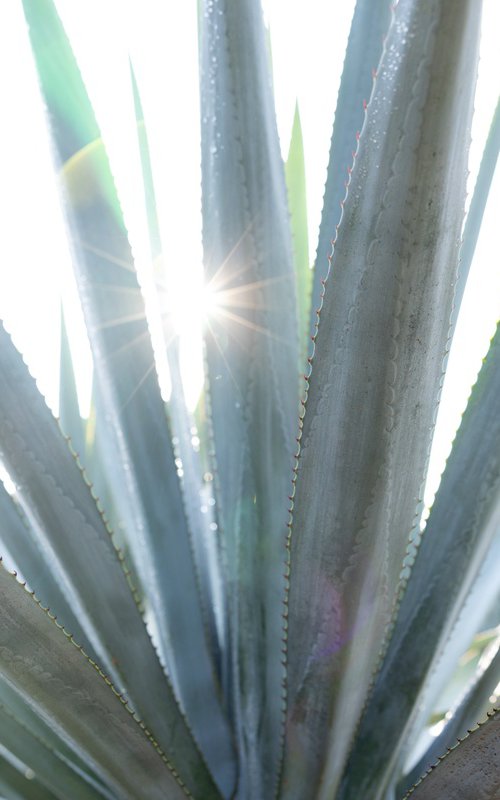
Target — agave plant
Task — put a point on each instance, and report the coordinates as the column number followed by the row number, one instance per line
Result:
column 185, row 630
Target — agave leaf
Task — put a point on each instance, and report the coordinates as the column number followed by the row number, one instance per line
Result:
column 463, row 522
column 477, row 206
column 138, row 439
column 297, row 200
column 205, row 542
column 480, row 611
column 69, row 411
column 466, row 715
column 53, row 773
column 375, row 381
column 26, row 716
column 251, row 353
column 468, row 771
column 366, row 38
column 98, row 463
column 69, row 526
column 14, row 785
column 41, row 661
column 29, row 558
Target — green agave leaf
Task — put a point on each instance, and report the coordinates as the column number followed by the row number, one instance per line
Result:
column 70, row 528
column 29, row 558
column 295, row 174
column 43, row 663
column 14, row 785
column 69, row 410
column 138, row 440
column 375, row 382
column 206, row 549
column 466, row 715
column 369, row 26
column 50, row 770
column 252, row 357
column 468, row 771
column 463, row 521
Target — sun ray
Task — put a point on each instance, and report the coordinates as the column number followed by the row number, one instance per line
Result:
column 112, row 323
column 255, row 285
column 243, row 303
column 252, row 325
column 139, row 384
column 235, row 297
column 111, row 287
column 129, row 344
column 214, row 337
column 120, row 262
column 215, row 277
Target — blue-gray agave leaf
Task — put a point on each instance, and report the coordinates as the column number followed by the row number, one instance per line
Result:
column 252, row 357
column 364, row 48
column 138, row 438
column 375, row 381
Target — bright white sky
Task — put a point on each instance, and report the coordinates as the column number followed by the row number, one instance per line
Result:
column 308, row 49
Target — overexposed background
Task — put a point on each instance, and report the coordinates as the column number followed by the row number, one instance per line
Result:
column 308, row 43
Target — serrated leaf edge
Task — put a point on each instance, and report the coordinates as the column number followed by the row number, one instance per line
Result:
column 123, row 564
column 490, row 715
column 121, row 697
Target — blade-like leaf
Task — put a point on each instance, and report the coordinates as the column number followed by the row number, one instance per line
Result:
column 29, row 558
column 251, row 351
column 375, row 381
column 469, row 771
column 42, row 662
column 471, row 709
column 144, row 477
column 477, row 206
column 50, row 770
column 69, row 526
column 14, row 785
column 480, row 611
column 463, row 522
column 69, row 411
column 205, row 542
column 27, row 716
column 100, row 464
column 295, row 174
column 364, row 48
